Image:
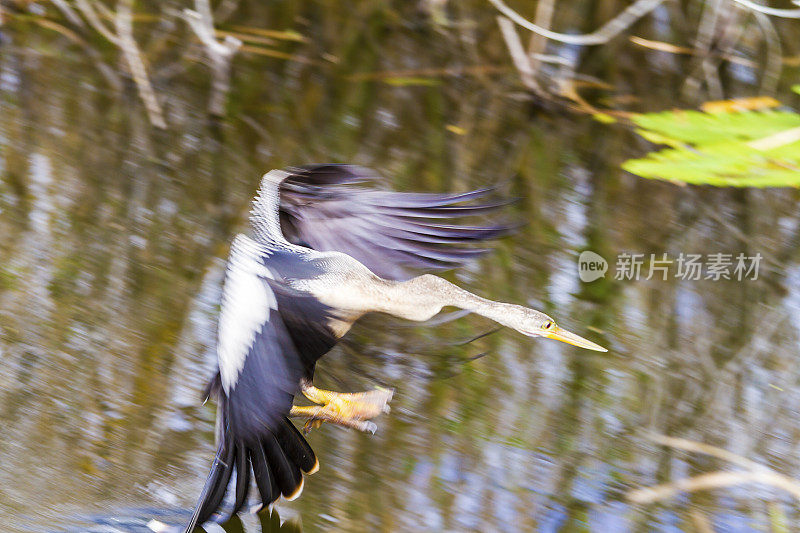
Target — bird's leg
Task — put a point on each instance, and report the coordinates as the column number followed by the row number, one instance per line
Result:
column 352, row 410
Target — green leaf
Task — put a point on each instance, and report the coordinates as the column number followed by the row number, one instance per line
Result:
column 604, row 118
column 719, row 149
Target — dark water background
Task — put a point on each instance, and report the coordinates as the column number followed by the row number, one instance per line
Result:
column 113, row 236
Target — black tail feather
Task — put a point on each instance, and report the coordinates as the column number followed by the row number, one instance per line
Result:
column 265, row 480
column 278, row 460
column 217, row 492
column 203, row 510
column 285, row 473
column 296, row 448
column 242, row 479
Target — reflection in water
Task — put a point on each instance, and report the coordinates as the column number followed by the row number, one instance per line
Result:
column 112, row 239
column 150, row 519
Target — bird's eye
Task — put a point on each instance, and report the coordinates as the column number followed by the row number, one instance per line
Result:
column 547, row 325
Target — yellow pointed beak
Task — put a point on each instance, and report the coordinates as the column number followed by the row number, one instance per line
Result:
column 563, row 335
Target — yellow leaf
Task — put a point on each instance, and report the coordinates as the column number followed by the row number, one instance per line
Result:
column 740, row 104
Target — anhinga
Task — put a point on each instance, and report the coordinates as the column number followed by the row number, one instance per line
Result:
column 325, row 251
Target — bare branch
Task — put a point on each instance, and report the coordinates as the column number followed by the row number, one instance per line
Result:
column 705, row 449
column 754, row 473
column 538, row 43
column 607, row 32
column 204, row 29
column 220, row 53
column 69, row 13
column 714, row 480
column 684, row 50
column 94, row 21
column 554, row 60
column 125, row 40
column 518, row 56
column 783, row 13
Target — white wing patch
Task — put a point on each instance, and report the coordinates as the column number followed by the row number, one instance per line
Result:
column 264, row 215
column 246, row 304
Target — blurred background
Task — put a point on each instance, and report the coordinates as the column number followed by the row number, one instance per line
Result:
column 132, row 139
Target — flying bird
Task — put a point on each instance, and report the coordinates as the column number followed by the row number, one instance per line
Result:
column 327, row 248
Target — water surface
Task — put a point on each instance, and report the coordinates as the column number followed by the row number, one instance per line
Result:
column 113, row 237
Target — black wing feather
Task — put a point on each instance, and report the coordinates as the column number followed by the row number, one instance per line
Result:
column 254, row 430
column 306, row 321
column 282, row 353
column 327, row 208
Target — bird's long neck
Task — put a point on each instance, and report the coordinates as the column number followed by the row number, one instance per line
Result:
column 422, row 297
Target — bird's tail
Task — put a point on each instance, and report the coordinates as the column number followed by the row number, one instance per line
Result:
column 277, row 460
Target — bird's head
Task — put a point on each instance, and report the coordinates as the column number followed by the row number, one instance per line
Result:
column 537, row 324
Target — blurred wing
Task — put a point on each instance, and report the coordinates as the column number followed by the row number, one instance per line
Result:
column 269, row 338
column 323, row 207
